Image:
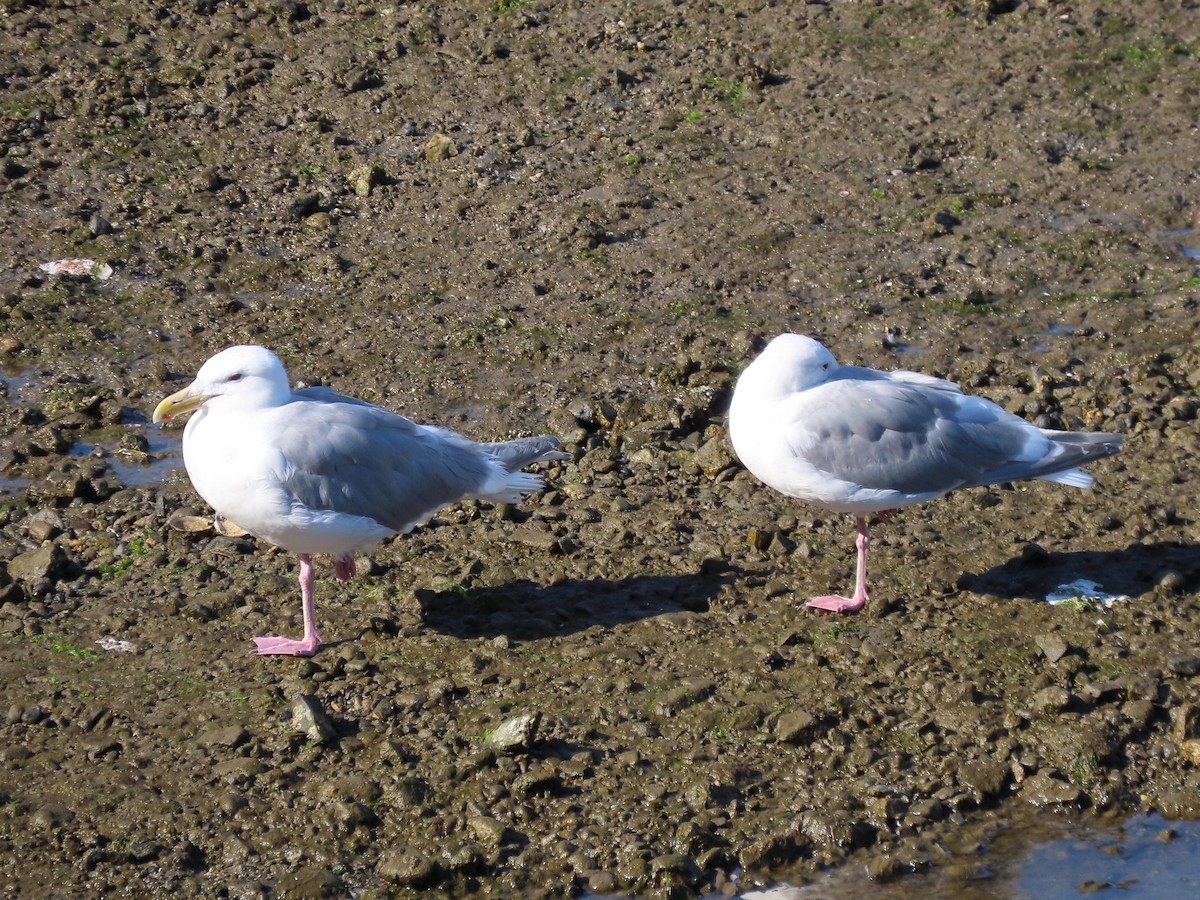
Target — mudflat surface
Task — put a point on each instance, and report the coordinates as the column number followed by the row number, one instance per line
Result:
column 584, row 218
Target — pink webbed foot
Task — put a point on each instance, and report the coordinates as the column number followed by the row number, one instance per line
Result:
column 837, row 604
column 281, row 646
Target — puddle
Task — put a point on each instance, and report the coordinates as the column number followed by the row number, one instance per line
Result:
column 163, row 455
column 1147, row 858
column 1084, row 593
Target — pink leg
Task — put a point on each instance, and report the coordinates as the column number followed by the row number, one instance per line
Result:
column 835, row 603
column 308, row 644
column 344, row 568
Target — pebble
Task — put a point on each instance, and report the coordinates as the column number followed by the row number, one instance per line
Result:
column 1186, row 664
column 515, row 734
column 311, row 719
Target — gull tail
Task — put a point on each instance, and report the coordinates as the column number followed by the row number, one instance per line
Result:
column 1075, row 449
column 511, row 484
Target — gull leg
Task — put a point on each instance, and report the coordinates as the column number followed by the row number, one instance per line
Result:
column 308, row 644
column 344, row 568
column 838, row 604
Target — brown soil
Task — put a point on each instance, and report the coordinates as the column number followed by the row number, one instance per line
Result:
column 515, row 217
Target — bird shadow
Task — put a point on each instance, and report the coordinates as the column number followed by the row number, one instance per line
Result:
column 1131, row 571
column 525, row 610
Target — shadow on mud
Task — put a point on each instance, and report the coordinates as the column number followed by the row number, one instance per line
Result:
column 1135, row 570
column 526, row 610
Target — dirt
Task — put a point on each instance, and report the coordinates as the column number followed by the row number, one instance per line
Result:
column 510, row 218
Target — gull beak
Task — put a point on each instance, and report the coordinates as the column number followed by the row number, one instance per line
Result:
column 178, row 404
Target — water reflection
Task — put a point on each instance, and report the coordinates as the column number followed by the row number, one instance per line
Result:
column 1147, row 857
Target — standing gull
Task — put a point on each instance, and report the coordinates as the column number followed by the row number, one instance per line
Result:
column 861, row 441
column 313, row 471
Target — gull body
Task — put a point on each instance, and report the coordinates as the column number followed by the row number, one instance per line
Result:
column 861, row 441
column 314, row 471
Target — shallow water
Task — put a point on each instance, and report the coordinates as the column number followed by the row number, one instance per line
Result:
column 1147, row 856
column 163, row 456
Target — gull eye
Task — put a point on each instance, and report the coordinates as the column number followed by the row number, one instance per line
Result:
column 236, row 376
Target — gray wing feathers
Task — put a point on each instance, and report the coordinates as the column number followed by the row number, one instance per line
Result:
column 902, row 436
column 357, row 458
column 360, row 459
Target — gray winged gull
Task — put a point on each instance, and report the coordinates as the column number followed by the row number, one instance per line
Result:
column 860, row 441
column 314, row 471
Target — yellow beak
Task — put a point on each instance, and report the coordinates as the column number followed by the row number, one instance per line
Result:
column 178, row 404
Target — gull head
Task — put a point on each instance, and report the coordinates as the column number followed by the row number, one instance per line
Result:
column 795, row 362
column 239, row 378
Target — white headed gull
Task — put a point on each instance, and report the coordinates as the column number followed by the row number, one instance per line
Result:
column 313, row 471
column 861, row 441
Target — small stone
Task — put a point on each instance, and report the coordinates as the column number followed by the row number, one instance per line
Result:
column 690, row 691
column 1185, row 723
column 311, row 883
column 1052, row 700
column 536, row 782
column 364, row 178
column 987, row 777
column 515, row 734
column 99, row 226
column 309, row 718
column 798, row 728
column 1190, row 750
column 1041, row 789
column 439, row 147
column 47, row 563
column 1186, row 664
column 487, row 830
column 304, row 205
column 714, row 456
column 884, row 868
column 231, row 737
column 10, row 345
column 52, row 816
column 1053, row 647
column 407, row 868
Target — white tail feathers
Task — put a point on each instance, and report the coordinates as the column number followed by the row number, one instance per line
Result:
column 1071, row 477
column 513, row 488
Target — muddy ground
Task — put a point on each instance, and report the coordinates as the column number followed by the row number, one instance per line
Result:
column 515, row 217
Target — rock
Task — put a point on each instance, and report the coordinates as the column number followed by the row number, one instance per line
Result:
column 52, row 815
column 309, row 718
column 487, row 830
column 986, row 777
column 407, row 868
column 1053, row 647
column 1040, row 789
column 1186, row 664
column 798, row 728
column 364, row 178
column 689, row 691
column 41, row 568
column 536, row 781
column 515, row 734
column 44, row 525
column 884, row 867
column 304, row 205
column 714, row 457
column 1185, row 723
column 309, row 883
column 232, row 736
column 1052, row 700
column 354, row 789
column 439, row 147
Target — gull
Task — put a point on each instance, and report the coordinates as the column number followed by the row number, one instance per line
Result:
column 861, row 441
column 314, row 471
